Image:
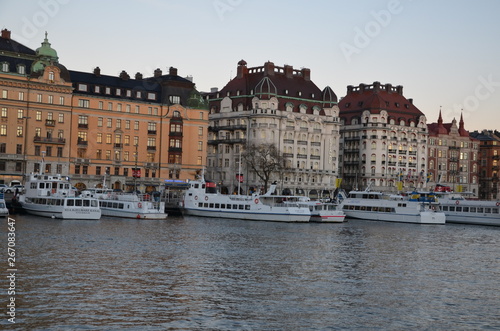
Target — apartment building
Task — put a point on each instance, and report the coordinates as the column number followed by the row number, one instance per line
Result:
column 489, row 163
column 281, row 106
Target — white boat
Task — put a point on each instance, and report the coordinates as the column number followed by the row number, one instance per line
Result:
column 459, row 209
column 53, row 196
column 4, row 211
column 321, row 212
column 127, row 205
column 326, row 212
column 203, row 199
column 378, row 206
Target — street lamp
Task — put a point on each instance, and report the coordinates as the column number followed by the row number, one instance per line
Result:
column 25, row 149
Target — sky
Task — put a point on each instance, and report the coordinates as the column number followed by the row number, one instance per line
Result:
column 445, row 53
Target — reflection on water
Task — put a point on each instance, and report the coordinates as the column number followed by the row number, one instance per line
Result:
column 197, row 273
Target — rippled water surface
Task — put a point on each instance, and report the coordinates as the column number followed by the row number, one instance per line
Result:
column 200, row 273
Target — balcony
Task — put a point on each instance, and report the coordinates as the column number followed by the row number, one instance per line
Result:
column 59, row 141
column 175, row 134
column 83, row 125
column 50, row 123
column 151, row 148
column 412, row 152
column 118, row 145
column 152, row 132
column 82, row 142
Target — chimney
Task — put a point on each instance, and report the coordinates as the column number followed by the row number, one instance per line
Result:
column 97, row 71
column 138, row 76
column 306, row 74
column 399, row 89
column 411, row 101
column 172, row 71
column 288, row 71
column 242, row 69
column 214, row 89
column 376, row 87
column 269, row 68
column 362, row 88
column 5, row 34
column 158, row 72
column 388, row 88
column 124, row 75
column 349, row 89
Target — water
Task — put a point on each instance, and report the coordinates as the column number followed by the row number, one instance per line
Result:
column 207, row 274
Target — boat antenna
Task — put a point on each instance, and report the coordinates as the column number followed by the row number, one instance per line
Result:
column 42, row 166
column 239, row 174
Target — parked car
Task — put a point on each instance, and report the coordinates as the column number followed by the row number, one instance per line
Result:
column 12, row 189
column 3, row 187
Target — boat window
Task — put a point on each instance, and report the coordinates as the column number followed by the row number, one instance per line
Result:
column 240, row 207
column 93, row 203
column 235, row 206
column 452, row 208
column 487, row 210
column 472, row 209
column 247, row 207
column 388, row 209
column 70, row 202
column 445, row 208
column 368, row 208
column 494, row 210
column 363, row 207
column 480, row 210
column 211, row 205
column 228, row 206
column 465, row 209
column 41, row 185
column 115, row 205
column 86, row 203
column 120, row 206
column 217, row 205
column 459, row 209
column 78, row 202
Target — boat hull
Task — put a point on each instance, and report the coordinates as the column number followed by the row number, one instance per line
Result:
column 60, row 212
column 291, row 216
column 133, row 214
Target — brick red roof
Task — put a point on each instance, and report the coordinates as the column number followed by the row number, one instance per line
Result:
column 287, row 84
column 375, row 98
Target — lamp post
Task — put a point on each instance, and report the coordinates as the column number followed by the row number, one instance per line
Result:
column 25, row 149
column 134, row 173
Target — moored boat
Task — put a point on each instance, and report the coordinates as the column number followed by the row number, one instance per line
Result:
column 128, row 205
column 378, row 206
column 53, row 196
column 202, row 199
column 459, row 209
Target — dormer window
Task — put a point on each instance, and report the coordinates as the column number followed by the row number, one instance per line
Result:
column 5, row 66
column 21, row 69
column 51, row 75
column 82, row 87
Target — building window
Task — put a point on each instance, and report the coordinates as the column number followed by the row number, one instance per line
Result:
column 99, row 138
column 48, row 151
column 61, row 118
column 21, row 96
column 82, row 87
column 50, row 99
column 3, row 148
column 99, row 121
column 19, row 131
column 175, row 99
column 21, row 69
column 38, row 98
column 3, row 130
column 98, row 170
column 83, row 103
column 127, row 124
column 110, row 123
column 61, row 101
column 136, row 125
column 51, row 76
column 98, row 154
column 151, row 96
column 118, row 124
column 20, row 113
column 5, row 67
column 101, row 105
column 108, row 155
column 108, row 138
column 37, row 150
column 110, row 106
column 19, row 149
column 4, row 112
column 4, row 94
column 59, row 151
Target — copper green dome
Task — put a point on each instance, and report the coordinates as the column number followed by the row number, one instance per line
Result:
column 46, row 52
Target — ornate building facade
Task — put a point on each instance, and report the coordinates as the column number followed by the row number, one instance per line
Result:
column 282, row 106
column 489, row 163
column 453, row 156
column 135, row 132
column 383, row 138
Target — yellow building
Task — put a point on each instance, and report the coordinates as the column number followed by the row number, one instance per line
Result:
column 94, row 127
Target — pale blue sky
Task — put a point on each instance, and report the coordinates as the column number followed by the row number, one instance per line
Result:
column 444, row 53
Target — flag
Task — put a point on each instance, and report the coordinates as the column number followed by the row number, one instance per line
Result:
column 400, row 175
column 400, row 186
column 421, row 176
column 429, row 175
column 338, row 181
column 409, row 175
column 239, row 178
column 459, row 188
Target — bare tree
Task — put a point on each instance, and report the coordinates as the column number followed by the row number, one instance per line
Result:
column 264, row 160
